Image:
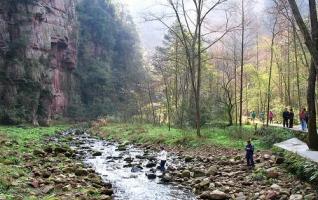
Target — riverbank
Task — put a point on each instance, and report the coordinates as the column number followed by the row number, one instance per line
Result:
column 34, row 165
column 47, row 163
column 214, row 168
column 222, row 137
column 145, row 133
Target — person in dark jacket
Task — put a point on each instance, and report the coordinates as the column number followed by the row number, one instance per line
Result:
column 291, row 118
column 306, row 116
column 285, row 118
column 249, row 154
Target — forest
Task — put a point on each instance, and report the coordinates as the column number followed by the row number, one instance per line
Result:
column 207, row 73
column 224, row 106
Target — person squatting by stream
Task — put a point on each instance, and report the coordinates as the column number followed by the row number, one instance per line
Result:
column 162, row 158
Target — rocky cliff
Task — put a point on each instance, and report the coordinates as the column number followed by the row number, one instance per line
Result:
column 37, row 57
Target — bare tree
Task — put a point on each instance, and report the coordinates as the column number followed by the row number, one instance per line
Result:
column 274, row 33
column 242, row 62
column 227, row 97
column 194, row 36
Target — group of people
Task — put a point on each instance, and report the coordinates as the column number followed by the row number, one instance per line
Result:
column 288, row 118
column 288, row 122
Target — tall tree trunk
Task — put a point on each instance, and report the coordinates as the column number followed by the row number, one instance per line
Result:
column 270, row 72
column 235, row 84
column 311, row 41
column 297, row 67
column 167, row 97
column 229, row 112
column 152, row 106
column 311, row 93
column 168, row 106
column 242, row 63
column 176, row 76
column 259, row 102
column 288, row 69
column 198, row 89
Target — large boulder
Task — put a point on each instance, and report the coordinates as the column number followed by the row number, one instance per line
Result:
column 97, row 153
column 136, row 169
column 107, row 191
column 81, row 172
column 212, row 171
column 150, row 164
column 185, row 174
column 271, row 195
column 166, row 178
column 105, row 197
column 151, row 176
column 204, row 184
column 214, row 195
column 296, row 197
column 188, row 159
column 198, row 173
column 272, row 172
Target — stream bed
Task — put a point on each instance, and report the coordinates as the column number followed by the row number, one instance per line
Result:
column 115, row 163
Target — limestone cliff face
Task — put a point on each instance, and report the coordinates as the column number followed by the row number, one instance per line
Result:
column 37, row 57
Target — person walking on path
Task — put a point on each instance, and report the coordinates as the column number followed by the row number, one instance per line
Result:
column 303, row 119
column 253, row 116
column 285, row 118
column 163, row 158
column 250, row 154
column 307, row 116
column 291, row 118
column 271, row 116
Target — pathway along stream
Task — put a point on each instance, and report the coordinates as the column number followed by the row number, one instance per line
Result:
column 115, row 164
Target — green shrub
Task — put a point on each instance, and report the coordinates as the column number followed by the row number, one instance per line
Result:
column 239, row 133
column 4, row 184
column 270, row 136
column 301, row 167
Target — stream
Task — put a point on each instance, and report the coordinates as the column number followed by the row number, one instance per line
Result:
column 115, row 163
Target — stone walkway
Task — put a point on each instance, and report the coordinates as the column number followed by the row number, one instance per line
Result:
column 295, row 128
column 299, row 147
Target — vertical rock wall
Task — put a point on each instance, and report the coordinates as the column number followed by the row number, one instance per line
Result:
column 37, row 57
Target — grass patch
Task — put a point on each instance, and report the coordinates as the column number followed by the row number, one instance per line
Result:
column 229, row 137
column 20, row 136
column 15, row 141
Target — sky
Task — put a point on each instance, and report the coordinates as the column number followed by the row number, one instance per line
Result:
column 151, row 33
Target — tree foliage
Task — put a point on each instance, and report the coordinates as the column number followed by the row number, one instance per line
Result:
column 109, row 61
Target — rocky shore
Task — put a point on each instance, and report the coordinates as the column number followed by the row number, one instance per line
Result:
column 216, row 173
column 55, row 168
column 49, row 169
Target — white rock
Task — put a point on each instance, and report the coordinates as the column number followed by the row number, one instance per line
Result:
column 296, row 197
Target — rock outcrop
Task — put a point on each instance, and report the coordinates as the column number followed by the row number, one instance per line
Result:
column 37, row 57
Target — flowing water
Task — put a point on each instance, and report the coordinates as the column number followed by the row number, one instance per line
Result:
column 128, row 185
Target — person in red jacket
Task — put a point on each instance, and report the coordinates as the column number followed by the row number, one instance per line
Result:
column 303, row 119
column 271, row 116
